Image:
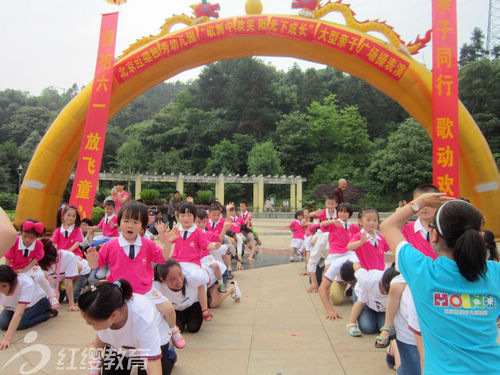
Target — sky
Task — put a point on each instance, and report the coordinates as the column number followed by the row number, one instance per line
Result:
column 54, row 42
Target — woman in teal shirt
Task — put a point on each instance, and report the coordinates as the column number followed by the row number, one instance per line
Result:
column 457, row 296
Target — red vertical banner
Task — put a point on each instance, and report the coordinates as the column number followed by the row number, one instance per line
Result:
column 445, row 126
column 89, row 161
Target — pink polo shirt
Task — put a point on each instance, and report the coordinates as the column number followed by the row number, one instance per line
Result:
column 236, row 227
column 191, row 249
column 244, row 216
column 298, row 230
column 370, row 256
column 218, row 226
column 16, row 253
column 138, row 271
column 339, row 237
column 108, row 229
column 211, row 237
column 119, row 205
column 326, row 215
column 417, row 240
column 64, row 243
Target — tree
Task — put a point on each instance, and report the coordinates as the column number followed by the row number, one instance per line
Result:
column 475, row 50
column 405, row 163
column 224, row 158
column 25, row 120
column 263, row 159
column 170, row 162
column 131, row 156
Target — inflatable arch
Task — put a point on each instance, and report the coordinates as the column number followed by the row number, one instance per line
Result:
column 155, row 59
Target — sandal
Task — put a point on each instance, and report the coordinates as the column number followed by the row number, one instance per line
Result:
column 353, row 330
column 385, row 341
column 206, row 315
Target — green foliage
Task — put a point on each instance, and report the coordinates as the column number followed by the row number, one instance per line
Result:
column 102, row 194
column 264, row 160
column 97, row 215
column 475, row 50
column 150, row 196
column 8, row 201
column 405, row 163
column 224, row 158
column 204, row 197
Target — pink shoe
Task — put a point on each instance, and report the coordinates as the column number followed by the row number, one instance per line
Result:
column 177, row 339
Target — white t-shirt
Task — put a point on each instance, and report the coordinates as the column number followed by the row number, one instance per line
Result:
column 182, row 302
column 85, row 266
column 368, row 291
column 333, row 273
column 413, row 323
column 69, row 267
column 401, row 321
column 143, row 334
column 27, row 292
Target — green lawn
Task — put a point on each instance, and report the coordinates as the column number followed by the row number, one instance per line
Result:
column 11, row 213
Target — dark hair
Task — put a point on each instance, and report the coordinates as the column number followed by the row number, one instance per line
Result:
column 99, row 303
column 491, row 246
column 458, row 223
column 347, row 272
column 189, row 207
column 135, row 211
column 8, row 275
column 63, row 211
column 245, row 229
column 176, row 192
column 425, row 188
column 368, row 209
column 109, row 202
column 214, row 207
column 332, row 196
column 387, row 277
column 50, row 254
column 231, row 234
column 87, row 221
column 32, row 230
column 161, row 272
column 345, row 207
column 244, row 202
column 201, row 214
column 121, row 183
column 299, row 213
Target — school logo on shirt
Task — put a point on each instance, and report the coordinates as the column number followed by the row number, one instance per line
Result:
column 465, row 304
column 191, row 244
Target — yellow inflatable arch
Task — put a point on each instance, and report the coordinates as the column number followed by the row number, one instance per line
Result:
column 156, row 59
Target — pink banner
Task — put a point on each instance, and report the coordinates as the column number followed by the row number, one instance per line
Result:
column 445, row 127
column 94, row 134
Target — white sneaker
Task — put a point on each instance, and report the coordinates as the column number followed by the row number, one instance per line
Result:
column 236, row 296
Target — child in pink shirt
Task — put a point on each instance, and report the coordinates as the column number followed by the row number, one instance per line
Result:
column 245, row 215
column 25, row 254
column 369, row 245
column 68, row 235
column 340, row 232
column 109, row 223
column 190, row 245
column 298, row 228
column 215, row 220
column 130, row 257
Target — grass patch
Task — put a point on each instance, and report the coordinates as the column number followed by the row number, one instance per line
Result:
column 11, row 214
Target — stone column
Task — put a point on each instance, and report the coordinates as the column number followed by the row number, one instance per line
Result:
column 299, row 193
column 180, row 184
column 219, row 189
column 256, row 195
column 138, row 186
column 261, row 193
column 293, row 203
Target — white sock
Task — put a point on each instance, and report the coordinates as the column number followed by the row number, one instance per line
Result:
column 220, row 282
column 177, row 334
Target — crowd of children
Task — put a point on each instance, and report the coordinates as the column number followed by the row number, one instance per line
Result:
column 436, row 307
column 166, row 289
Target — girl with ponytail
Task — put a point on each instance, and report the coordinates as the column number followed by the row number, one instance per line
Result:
column 130, row 330
column 457, row 296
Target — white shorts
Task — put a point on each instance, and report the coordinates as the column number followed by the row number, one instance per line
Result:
column 219, row 253
column 155, row 296
column 211, row 273
column 307, row 243
column 195, row 270
column 332, row 257
column 296, row 243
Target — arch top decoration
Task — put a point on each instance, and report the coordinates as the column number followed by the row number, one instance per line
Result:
column 387, row 66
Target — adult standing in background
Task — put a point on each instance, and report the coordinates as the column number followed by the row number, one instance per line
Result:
column 173, row 207
column 339, row 190
column 119, row 195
